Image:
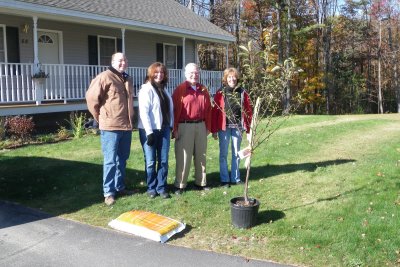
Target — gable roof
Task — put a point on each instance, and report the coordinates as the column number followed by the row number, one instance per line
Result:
column 158, row 16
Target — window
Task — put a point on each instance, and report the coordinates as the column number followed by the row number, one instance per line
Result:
column 107, row 47
column 45, row 39
column 3, row 45
column 173, row 55
column 170, row 56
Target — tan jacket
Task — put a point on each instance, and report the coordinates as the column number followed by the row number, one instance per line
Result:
column 110, row 101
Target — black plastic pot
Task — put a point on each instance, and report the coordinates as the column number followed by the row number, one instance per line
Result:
column 244, row 216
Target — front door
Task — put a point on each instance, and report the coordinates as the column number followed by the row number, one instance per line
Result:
column 49, row 47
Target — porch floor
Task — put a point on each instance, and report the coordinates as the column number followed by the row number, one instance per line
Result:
column 32, row 108
column 45, row 107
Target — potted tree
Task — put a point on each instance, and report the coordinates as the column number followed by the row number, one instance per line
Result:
column 266, row 83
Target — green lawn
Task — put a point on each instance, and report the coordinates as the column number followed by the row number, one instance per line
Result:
column 329, row 188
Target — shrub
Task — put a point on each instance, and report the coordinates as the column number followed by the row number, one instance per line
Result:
column 63, row 133
column 20, row 127
column 5, row 144
column 2, row 128
column 47, row 138
column 77, row 121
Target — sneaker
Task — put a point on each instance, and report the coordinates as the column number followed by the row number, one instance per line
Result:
column 225, row 185
column 152, row 194
column 238, row 183
column 202, row 188
column 164, row 195
column 109, row 200
column 125, row 192
column 179, row 191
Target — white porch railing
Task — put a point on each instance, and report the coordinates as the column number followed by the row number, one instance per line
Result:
column 68, row 82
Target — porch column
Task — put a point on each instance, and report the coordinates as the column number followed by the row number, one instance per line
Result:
column 196, row 49
column 35, row 44
column 123, row 39
column 183, row 52
column 227, row 55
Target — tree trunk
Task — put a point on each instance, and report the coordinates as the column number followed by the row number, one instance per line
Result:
column 380, row 100
column 394, row 62
column 237, row 13
column 327, row 45
column 288, row 53
column 280, row 43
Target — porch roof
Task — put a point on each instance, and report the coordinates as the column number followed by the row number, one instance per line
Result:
column 158, row 16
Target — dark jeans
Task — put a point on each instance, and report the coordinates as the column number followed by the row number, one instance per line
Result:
column 156, row 159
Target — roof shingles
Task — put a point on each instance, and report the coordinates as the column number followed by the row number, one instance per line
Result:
column 160, row 12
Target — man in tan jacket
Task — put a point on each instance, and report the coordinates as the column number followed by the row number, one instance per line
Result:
column 110, row 101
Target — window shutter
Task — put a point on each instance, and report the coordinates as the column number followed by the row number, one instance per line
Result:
column 179, row 56
column 12, row 44
column 160, row 52
column 93, row 53
column 119, row 45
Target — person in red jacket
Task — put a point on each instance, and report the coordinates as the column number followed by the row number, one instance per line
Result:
column 231, row 116
column 192, row 124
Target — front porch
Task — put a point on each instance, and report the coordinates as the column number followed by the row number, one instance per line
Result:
column 65, row 88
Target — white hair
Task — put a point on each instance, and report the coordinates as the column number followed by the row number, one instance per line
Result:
column 189, row 67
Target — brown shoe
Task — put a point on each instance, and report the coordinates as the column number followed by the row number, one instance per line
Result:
column 109, row 200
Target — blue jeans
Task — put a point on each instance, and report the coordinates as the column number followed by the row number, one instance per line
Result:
column 116, row 146
column 235, row 136
column 156, row 159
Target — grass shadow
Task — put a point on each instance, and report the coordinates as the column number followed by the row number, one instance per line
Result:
column 58, row 186
column 269, row 216
column 273, row 170
column 329, row 198
column 268, row 170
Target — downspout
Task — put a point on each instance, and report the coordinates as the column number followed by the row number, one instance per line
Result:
column 196, row 49
column 183, row 52
column 123, row 40
column 227, row 55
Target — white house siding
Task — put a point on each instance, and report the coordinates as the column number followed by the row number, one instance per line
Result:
column 75, row 38
column 140, row 46
column 26, row 51
column 190, row 51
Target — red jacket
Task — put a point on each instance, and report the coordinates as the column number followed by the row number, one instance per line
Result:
column 218, row 117
column 177, row 97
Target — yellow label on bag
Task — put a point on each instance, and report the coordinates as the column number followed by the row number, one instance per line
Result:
column 149, row 220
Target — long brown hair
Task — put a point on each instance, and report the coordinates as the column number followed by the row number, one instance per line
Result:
column 153, row 69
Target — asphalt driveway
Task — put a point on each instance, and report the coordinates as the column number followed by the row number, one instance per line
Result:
column 31, row 238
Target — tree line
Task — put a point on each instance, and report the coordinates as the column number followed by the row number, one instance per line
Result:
column 348, row 50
